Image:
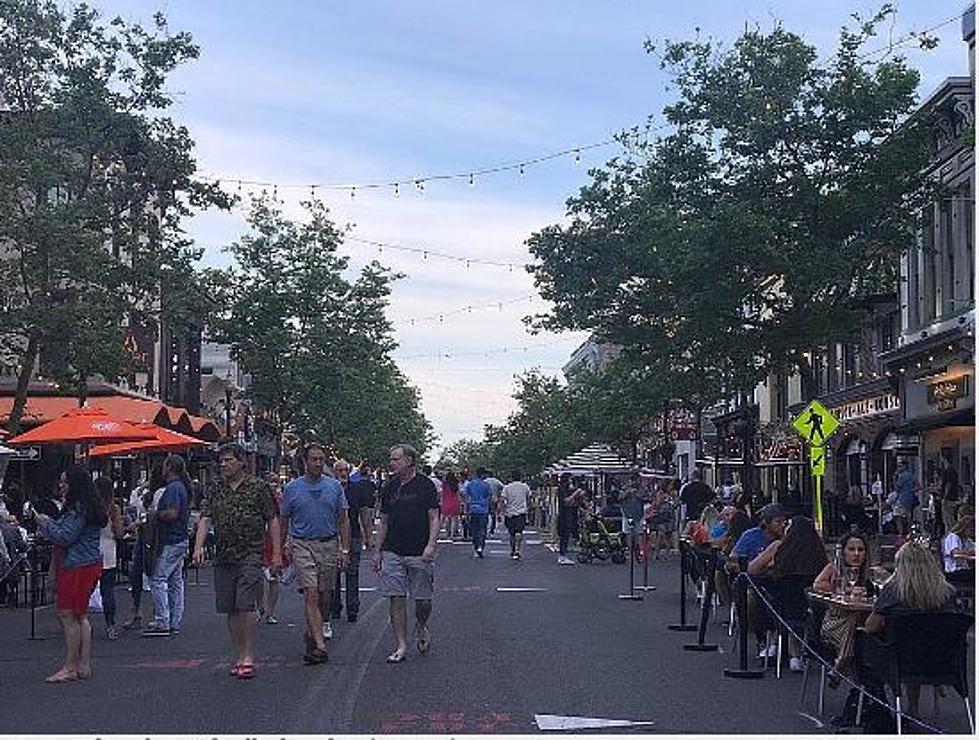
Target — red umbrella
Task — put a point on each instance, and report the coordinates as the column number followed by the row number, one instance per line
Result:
column 82, row 425
column 164, row 440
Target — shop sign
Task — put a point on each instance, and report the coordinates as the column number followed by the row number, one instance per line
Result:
column 867, row 407
column 945, row 393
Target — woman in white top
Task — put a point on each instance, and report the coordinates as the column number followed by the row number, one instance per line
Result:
column 958, row 544
column 112, row 531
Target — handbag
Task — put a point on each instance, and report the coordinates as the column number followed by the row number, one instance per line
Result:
column 151, row 543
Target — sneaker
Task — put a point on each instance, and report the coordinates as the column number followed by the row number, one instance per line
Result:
column 327, row 630
column 517, row 556
column 271, row 620
column 135, row 623
column 479, row 553
column 796, row 665
column 113, row 633
column 155, row 630
column 315, row 657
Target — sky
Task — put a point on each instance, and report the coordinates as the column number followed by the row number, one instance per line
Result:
column 340, row 93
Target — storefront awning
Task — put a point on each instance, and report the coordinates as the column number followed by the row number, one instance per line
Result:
column 960, row 418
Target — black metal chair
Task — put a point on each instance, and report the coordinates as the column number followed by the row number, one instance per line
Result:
column 822, row 649
column 924, row 649
column 789, row 599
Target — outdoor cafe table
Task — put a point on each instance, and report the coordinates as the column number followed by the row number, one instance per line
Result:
column 847, row 603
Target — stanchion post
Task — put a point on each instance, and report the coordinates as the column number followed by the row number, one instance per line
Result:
column 645, row 561
column 34, row 589
column 632, row 595
column 683, row 626
column 741, row 594
column 706, row 605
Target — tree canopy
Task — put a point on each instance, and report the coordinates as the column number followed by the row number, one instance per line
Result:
column 315, row 343
column 753, row 230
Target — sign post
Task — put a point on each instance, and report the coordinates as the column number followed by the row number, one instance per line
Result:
column 815, row 425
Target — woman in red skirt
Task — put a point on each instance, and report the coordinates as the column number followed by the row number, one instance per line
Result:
column 77, row 533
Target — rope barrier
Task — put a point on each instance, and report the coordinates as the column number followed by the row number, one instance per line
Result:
column 762, row 595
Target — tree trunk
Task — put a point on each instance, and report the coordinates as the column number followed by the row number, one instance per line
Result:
column 23, row 380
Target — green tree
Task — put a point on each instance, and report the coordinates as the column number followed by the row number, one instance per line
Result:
column 755, row 230
column 94, row 179
column 316, row 345
column 466, row 454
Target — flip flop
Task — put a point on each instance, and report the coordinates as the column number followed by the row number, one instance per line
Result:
column 424, row 640
column 246, row 670
column 396, row 657
column 61, row 678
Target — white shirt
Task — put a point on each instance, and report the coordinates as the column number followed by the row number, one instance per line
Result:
column 953, row 542
column 515, row 496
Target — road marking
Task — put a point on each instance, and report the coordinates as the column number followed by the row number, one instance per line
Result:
column 534, row 542
column 819, row 723
column 364, row 589
column 559, row 722
column 518, row 590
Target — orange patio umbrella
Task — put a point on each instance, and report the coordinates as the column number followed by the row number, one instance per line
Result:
column 82, row 425
column 164, row 440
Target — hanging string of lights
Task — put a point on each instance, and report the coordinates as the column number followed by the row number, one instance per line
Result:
column 442, row 315
column 427, row 252
column 486, row 352
column 395, row 185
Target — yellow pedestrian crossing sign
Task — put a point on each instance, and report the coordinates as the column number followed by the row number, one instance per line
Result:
column 815, row 424
column 817, row 460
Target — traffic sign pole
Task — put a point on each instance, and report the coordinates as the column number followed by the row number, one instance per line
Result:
column 818, row 503
column 815, row 424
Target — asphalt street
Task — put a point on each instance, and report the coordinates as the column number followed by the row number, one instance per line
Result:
column 499, row 660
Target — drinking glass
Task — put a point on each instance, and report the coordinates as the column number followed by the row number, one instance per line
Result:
column 851, row 575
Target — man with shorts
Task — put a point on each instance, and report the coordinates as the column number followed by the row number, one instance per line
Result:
column 405, row 552
column 514, row 498
column 314, row 514
column 243, row 510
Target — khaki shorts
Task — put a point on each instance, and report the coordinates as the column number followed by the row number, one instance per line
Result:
column 404, row 575
column 315, row 562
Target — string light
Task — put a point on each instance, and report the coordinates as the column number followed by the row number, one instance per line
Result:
column 472, row 180
column 353, row 192
column 434, row 253
column 441, row 316
column 487, row 352
column 397, row 190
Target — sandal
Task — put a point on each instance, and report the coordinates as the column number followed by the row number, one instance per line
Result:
column 246, row 670
column 62, row 677
column 396, row 657
column 235, row 667
column 424, row 640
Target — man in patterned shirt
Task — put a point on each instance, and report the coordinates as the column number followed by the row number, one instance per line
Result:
column 242, row 508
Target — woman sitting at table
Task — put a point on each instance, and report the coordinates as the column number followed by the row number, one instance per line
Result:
column 800, row 552
column 957, row 547
column 839, row 624
column 916, row 586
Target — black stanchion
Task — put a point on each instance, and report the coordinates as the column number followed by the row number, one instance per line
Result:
column 683, row 626
column 632, row 595
column 34, row 597
column 706, row 605
column 741, row 594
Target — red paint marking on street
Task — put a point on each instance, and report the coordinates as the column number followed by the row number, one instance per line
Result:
column 170, row 664
column 443, row 723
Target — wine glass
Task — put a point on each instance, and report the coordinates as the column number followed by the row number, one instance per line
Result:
column 850, row 576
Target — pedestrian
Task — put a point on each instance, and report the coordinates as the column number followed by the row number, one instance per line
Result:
column 77, row 532
column 111, row 532
column 496, row 488
column 950, row 493
column 906, row 500
column 243, row 509
column 404, row 555
column 137, row 577
column 167, row 581
column 270, row 582
column 314, row 517
column 478, row 495
column 451, row 506
column 360, row 494
column 569, row 499
column 696, row 494
column 514, row 499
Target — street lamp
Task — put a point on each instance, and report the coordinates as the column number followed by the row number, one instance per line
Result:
column 228, row 390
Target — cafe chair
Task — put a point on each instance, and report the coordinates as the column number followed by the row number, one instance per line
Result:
column 789, row 599
column 926, row 649
column 822, row 650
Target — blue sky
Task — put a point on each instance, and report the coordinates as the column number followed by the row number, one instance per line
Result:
column 333, row 92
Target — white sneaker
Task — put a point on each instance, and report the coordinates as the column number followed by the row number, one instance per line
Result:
column 796, row 665
column 327, row 630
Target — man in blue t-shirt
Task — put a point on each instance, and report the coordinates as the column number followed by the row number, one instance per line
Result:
column 771, row 527
column 314, row 514
column 167, row 582
column 478, row 495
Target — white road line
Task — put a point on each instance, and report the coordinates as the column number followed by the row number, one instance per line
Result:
column 364, row 589
column 559, row 722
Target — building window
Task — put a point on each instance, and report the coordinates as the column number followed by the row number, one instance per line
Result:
column 929, row 287
column 948, row 212
column 887, row 333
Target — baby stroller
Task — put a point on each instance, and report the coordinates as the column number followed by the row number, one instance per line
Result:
column 602, row 538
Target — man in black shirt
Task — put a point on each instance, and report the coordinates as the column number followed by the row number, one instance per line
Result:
column 696, row 495
column 360, row 493
column 405, row 552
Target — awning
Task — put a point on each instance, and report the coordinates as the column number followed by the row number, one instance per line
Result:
column 39, row 409
column 960, row 418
